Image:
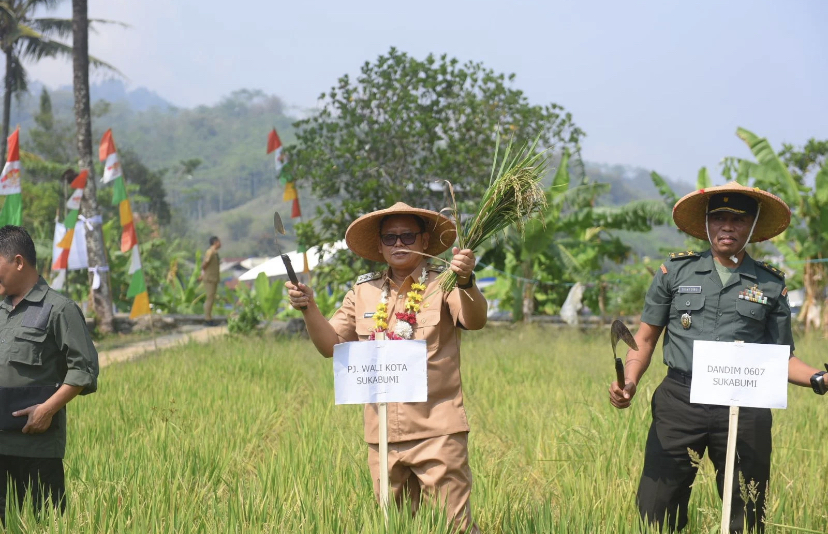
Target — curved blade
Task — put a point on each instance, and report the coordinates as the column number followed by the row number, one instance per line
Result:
column 619, row 330
column 277, row 223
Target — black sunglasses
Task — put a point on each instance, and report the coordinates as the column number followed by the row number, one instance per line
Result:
column 407, row 238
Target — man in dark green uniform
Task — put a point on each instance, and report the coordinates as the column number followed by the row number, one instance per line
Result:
column 46, row 359
column 719, row 295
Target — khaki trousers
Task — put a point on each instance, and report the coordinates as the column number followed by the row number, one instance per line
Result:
column 210, row 289
column 436, row 469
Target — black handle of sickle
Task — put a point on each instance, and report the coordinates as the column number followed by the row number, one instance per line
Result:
column 291, row 273
column 619, row 373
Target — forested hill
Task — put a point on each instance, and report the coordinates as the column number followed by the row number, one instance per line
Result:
column 217, row 176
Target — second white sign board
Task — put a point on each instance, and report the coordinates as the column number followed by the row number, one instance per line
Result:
column 380, row 371
column 740, row 374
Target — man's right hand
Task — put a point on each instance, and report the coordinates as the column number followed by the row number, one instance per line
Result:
column 621, row 398
column 301, row 296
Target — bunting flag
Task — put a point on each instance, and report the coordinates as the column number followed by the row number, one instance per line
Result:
column 274, row 144
column 290, row 192
column 108, row 154
column 69, row 258
column 72, row 213
column 129, row 238
column 12, row 212
column 295, row 210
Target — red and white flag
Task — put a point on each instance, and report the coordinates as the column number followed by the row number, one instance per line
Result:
column 10, row 179
column 109, row 155
column 274, row 144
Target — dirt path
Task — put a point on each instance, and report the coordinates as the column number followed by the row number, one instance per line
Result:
column 136, row 350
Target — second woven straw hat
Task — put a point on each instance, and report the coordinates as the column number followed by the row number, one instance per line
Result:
column 774, row 215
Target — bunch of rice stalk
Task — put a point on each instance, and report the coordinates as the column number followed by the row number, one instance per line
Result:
column 513, row 197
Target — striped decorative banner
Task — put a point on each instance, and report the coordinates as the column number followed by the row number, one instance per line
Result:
column 72, row 213
column 12, row 212
column 129, row 238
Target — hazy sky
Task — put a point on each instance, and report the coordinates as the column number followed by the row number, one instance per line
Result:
column 657, row 84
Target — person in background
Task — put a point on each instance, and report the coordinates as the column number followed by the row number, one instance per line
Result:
column 210, row 277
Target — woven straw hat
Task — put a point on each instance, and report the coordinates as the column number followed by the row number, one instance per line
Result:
column 362, row 237
column 774, row 214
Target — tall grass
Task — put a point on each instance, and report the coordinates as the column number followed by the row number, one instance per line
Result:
column 242, row 436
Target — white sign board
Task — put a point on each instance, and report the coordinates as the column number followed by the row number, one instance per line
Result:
column 740, row 374
column 380, row 371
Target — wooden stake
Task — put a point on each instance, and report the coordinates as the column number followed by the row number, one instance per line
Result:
column 730, row 460
column 382, row 412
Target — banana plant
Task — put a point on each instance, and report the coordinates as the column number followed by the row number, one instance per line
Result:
column 784, row 174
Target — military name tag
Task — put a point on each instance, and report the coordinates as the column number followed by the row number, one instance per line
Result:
column 368, row 315
column 689, row 289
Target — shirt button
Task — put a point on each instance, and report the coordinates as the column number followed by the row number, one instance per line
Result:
column 717, row 338
column 720, row 314
column 751, row 312
column 688, row 303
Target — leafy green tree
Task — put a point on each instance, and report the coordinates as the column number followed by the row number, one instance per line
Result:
column 404, row 125
column 789, row 174
column 52, row 138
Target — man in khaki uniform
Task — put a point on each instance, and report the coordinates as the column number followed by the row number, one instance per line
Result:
column 428, row 441
column 210, row 275
column 46, row 359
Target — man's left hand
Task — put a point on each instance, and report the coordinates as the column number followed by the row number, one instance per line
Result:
column 40, row 418
column 463, row 264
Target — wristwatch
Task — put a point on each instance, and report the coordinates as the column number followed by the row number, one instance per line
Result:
column 818, row 383
column 468, row 284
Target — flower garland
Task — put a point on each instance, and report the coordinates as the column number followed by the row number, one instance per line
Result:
column 406, row 319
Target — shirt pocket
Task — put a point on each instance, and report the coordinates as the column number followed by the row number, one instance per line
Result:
column 693, row 305
column 364, row 327
column 751, row 319
column 27, row 347
column 428, row 327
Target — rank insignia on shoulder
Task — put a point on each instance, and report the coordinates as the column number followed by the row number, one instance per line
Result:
column 367, row 277
column 436, row 268
column 683, row 255
column 770, row 268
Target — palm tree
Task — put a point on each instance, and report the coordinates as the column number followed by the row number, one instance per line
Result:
column 101, row 297
column 24, row 37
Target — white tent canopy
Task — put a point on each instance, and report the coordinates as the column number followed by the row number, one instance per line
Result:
column 275, row 267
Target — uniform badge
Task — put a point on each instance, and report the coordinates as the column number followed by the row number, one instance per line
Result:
column 753, row 294
column 686, row 320
column 689, row 289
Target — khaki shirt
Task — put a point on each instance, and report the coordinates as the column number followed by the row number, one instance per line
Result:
column 44, row 341
column 689, row 283
column 437, row 323
column 211, row 272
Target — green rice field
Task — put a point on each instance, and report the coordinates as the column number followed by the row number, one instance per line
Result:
column 242, row 435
